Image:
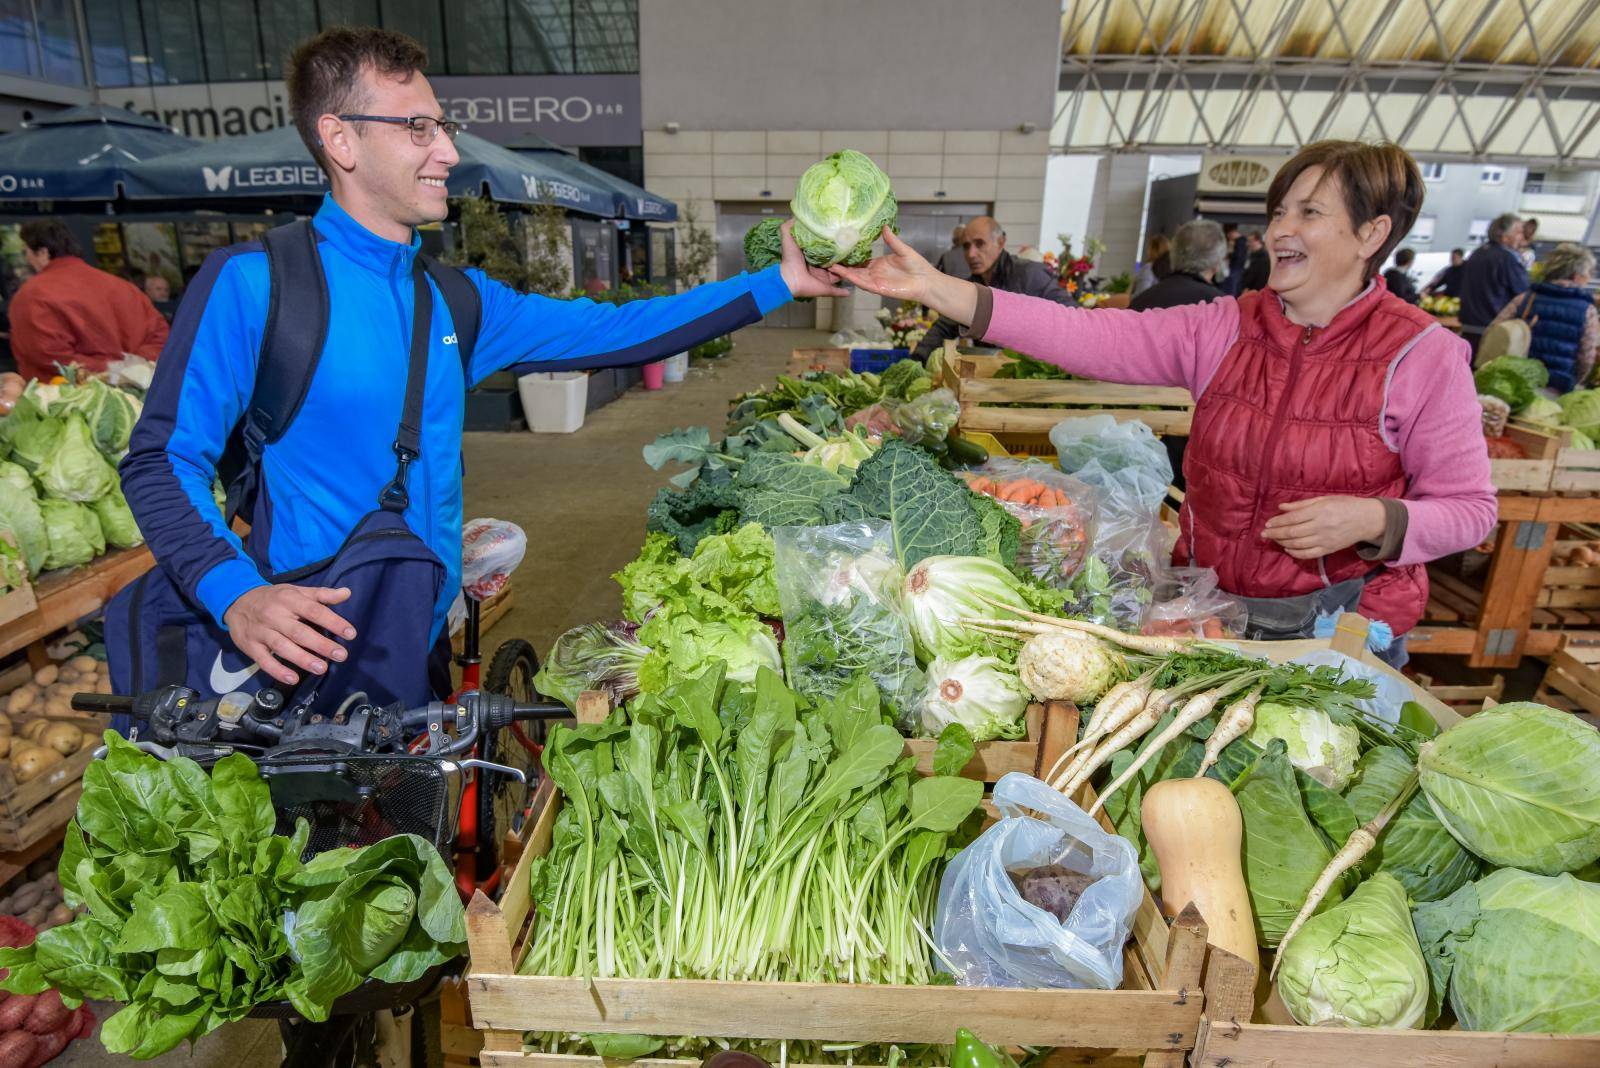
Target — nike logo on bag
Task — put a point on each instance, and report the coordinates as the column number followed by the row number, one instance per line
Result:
column 225, row 681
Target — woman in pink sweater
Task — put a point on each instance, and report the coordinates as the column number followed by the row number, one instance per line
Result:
column 1337, row 442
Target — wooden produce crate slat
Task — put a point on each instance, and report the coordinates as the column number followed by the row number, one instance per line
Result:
column 64, row 597
column 1267, row 1046
column 1040, row 420
column 1070, row 391
column 19, row 799
column 836, row 1011
column 43, row 821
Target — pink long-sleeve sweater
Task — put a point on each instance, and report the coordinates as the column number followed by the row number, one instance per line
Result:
column 1431, row 413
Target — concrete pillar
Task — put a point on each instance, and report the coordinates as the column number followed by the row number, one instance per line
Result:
column 1116, row 213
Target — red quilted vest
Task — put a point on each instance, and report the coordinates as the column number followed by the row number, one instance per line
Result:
column 1296, row 412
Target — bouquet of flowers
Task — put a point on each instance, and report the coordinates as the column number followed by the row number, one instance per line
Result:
column 906, row 324
column 1072, row 269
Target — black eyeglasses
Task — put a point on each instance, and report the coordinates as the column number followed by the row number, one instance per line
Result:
column 423, row 128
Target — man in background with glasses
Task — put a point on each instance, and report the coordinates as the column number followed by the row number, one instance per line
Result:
column 369, row 116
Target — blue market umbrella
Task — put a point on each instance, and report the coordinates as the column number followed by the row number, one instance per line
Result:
column 278, row 164
column 632, row 201
column 80, row 153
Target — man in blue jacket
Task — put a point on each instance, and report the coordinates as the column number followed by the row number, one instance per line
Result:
column 360, row 100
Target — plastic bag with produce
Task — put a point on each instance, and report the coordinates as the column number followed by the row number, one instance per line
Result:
column 1188, row 604
column 1057, row 513
column 1125, row 461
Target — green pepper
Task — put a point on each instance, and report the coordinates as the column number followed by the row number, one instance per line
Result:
column 973, row 1052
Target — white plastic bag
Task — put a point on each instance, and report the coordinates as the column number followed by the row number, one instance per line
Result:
column 1392, row 692
column 490, row 550
column 991, row 936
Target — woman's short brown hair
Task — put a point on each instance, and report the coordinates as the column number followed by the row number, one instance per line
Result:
column 1377, row 180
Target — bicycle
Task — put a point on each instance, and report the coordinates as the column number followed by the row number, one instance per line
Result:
column 357, row 776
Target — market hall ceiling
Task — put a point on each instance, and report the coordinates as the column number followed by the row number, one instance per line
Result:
column 1513, row 80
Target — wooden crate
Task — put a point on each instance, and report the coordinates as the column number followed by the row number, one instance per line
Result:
column 1466, row 699
column 1148, row 1021
column 1534, row 474
column 1233, row 1043
column 1026, row 429
column 32, row 810
column 64, row 597
column 1572, row 683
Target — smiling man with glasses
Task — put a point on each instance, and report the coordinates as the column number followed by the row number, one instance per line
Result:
column 315, row 483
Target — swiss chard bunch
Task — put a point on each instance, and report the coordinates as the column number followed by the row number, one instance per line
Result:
column 198, row 912
column 724, row 832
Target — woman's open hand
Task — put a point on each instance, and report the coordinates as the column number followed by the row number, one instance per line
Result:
column 1320, row 526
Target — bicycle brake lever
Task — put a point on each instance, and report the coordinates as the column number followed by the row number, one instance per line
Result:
column 499, row 769
column 155, row 750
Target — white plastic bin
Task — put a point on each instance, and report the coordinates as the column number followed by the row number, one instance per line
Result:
column 675, row 367
column 554, row 403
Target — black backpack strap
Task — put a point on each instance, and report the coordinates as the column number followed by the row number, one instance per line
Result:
column 291, row 345
column 408, row 438
column 297, row 328
column 463, row 300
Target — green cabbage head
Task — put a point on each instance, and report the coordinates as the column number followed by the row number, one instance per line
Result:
column 1516, row 784
column 75, row 470
column 74, row 532
column 1358, row 964
column 20, row 514
column 1516, row 952
column 1415, row 848
column 840, row 207
column 1318, row 746
column 116, row 520
column 1580, row 410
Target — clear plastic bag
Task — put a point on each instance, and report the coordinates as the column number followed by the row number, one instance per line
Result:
column 990, row 935
column 928, row 420
column 490, row 550
column 1125, row 461
column 1188, row 604
column 1125, row 567
column 1058, row 521
column 839, row 587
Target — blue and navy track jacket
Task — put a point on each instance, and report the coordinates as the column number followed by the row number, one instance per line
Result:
column 326, row 472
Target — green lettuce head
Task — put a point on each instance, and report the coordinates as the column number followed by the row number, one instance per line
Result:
column 1358, row 964
column 74, row 533
column 1318, row 746
column 840, row 207
column 30, row 435
column 75, row 470
column 1516, row 951
column 1516, row 784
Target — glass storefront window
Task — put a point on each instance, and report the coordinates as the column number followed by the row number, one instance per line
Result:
column 58, row 41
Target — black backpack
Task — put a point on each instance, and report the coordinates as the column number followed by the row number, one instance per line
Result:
column 292, row 345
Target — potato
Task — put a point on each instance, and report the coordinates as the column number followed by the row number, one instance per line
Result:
column 64, row 738
column 81, row 664
column 33, row 762
column 36, row 915
column 26, row 898
column 58, row 708
column 104, row 685
column 5, row 745
column 22, row 698
column 6, row 726
column 60, row 914
column 33, row 728
column 46, row 675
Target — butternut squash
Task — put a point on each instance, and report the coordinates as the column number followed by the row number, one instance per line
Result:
column 1194, row 828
